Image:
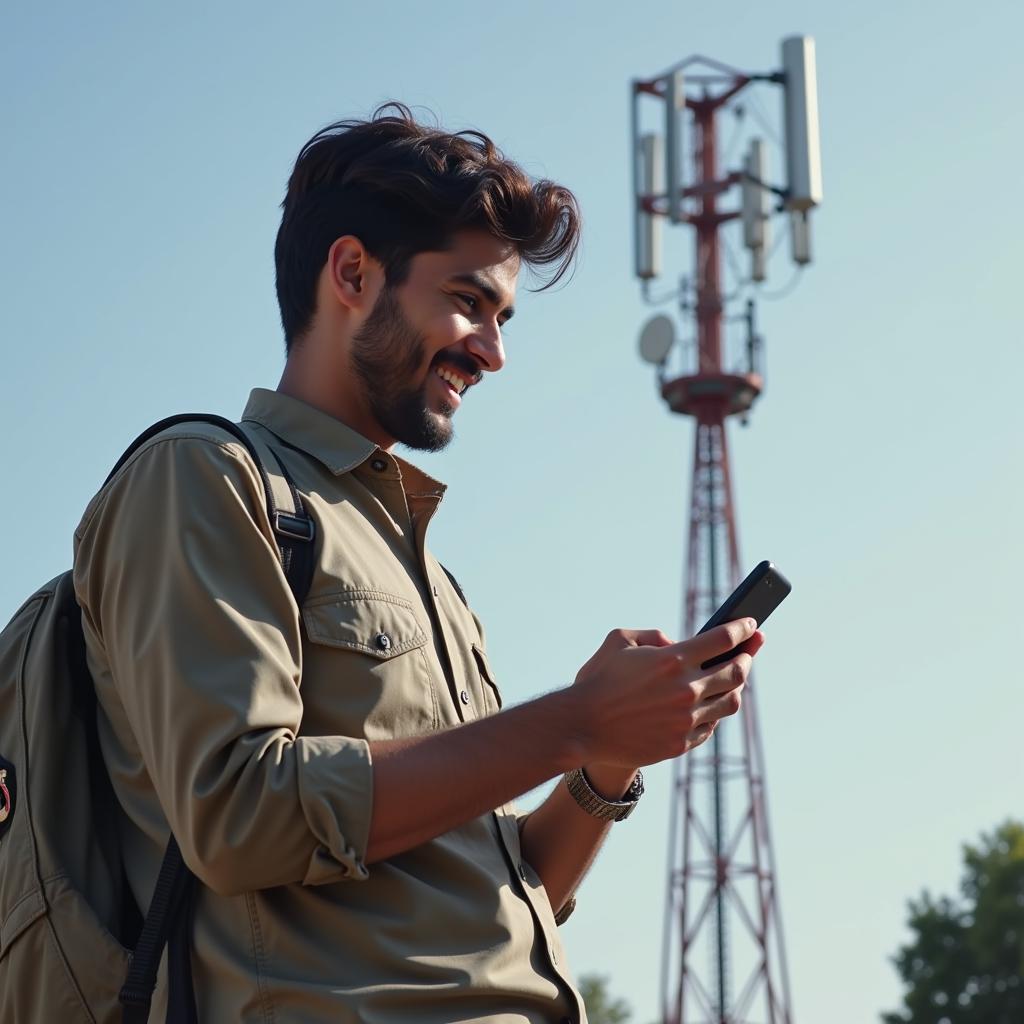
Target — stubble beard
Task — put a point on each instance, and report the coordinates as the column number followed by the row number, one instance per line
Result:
column 387, row 352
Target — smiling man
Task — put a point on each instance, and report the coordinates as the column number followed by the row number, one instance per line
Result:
column 338, row 771
column 401, row 379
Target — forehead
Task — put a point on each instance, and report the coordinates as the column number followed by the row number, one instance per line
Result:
column 472, row 252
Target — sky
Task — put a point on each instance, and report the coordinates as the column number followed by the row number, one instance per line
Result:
column 146, row 149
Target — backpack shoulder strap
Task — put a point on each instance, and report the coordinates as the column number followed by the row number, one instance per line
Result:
column 172, row 905
column 455, row 583
column 294, row 529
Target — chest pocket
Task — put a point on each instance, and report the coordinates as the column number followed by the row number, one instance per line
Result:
column 365, row 672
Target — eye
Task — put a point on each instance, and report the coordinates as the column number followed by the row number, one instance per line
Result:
column 471, row 301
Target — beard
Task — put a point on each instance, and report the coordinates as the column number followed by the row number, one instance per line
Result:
column 388, row 352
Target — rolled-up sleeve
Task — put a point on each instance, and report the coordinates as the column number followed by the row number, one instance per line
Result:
column 186, row 606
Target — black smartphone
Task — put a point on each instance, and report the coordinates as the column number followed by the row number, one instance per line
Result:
column 755, row 598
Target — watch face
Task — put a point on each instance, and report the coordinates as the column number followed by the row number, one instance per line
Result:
column 637, row 789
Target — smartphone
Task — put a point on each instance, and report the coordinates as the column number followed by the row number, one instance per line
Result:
column 755, row 598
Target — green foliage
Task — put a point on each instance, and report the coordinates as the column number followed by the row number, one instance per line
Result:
column 965, row 964
column 601, row 1007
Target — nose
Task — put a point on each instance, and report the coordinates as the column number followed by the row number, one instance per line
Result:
column 485, row 345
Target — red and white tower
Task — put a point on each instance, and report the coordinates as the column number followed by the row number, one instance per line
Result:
column 723, row 959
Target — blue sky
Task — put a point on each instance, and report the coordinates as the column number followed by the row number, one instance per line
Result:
column 146, row 151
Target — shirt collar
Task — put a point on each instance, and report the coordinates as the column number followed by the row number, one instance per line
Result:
column 340, row 448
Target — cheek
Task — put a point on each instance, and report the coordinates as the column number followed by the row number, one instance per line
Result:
column 445, row 332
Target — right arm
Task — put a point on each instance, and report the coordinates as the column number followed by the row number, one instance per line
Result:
column 640, row 700
column 181, row 584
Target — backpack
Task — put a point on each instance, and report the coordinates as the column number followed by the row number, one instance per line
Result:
column 67, row 917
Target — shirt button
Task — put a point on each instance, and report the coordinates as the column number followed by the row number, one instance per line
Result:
column 464, row 697
column 522, row 872
column 384, row 641
column 379, row 464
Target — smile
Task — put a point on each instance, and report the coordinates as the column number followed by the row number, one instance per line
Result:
column 459, row 384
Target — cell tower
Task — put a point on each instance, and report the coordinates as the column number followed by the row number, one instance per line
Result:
column 723, row 957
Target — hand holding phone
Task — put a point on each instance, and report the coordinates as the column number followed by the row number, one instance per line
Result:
column 755, row 598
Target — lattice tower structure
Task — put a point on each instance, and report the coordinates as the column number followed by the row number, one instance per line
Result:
column 723, row 958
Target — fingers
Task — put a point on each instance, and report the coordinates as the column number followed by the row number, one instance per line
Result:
column 709, row 713
column 712, row 710
column 700, row 734
column 715, row 642
column 754, row 644
column 729, row 676
column 651, row 638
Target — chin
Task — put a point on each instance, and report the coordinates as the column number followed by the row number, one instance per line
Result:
column 432, row 434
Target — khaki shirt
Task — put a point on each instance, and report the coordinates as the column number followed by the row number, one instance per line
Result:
column 241, row 723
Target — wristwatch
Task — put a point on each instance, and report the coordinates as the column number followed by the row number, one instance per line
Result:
column 594, row 804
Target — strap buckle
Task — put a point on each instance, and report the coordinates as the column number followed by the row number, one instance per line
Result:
column 298, row 528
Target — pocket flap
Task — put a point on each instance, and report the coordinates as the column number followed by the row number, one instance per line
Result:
column 485, row 672
column 368, row 621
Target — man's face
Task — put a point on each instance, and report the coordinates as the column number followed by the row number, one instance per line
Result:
column 426, row 342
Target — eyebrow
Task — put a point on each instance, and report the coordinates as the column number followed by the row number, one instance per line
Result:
column 489, row 292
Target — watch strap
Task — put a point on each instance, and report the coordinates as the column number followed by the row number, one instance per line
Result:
column 568, row 907
column 597, row 806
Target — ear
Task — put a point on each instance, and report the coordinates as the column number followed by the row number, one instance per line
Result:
column 353, row 275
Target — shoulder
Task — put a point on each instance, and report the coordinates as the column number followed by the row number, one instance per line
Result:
column 189, row 465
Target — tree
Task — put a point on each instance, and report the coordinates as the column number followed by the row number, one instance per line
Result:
column 601, row 1007
column 965, row 964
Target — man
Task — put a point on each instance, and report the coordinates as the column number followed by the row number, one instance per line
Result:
column 340, row 775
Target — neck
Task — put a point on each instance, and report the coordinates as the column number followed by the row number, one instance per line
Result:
column 331, row 391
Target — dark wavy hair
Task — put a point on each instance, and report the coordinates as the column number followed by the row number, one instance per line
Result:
column 402, row 187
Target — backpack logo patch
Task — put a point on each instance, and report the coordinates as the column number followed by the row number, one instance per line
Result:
column 7, row 794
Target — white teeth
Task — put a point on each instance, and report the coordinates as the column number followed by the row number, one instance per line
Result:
column 456, row 382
